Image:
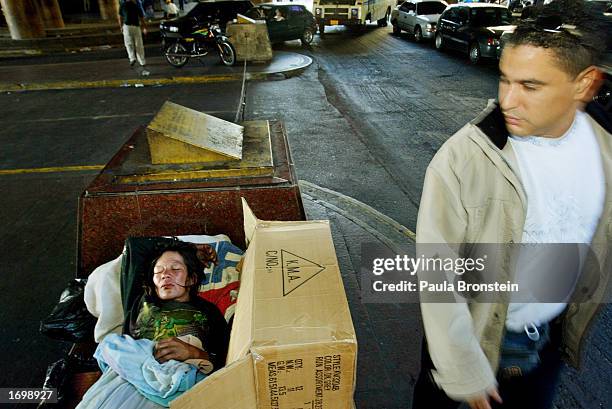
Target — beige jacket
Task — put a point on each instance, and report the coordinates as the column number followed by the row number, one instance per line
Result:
column 473, row 194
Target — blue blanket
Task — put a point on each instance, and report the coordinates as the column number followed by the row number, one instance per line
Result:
column 133, row 361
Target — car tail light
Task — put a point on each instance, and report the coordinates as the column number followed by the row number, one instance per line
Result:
column 491, row 41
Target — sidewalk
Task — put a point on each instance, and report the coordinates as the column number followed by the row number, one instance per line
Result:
column 71, row 38
column 75, row 36
column 118, row 73
column 389, row 335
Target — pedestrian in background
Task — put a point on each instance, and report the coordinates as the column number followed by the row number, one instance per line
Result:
column 148, row 9
column 131, row 22
column 171, row 11
column 534, row 167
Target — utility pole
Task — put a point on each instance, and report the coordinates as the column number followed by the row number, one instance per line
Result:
column 23, row 19
column 51, row 13
column 109, row 9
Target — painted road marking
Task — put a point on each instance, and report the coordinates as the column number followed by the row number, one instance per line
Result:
column 147, row 82
column 140, row 82
column 98, row 117
column 55, row 169
column 95, row 117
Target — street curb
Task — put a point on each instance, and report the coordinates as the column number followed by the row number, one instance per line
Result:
column 148, row 82
column 393, row 234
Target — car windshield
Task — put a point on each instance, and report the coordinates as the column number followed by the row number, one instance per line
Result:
column 266, row 12
column 328, row 2
column 199, row 10
column 256, row 13
column 494, row 16
column 601, row 6
column 430, row 7
column 217, row 9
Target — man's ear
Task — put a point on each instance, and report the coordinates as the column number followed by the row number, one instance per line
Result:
column 588, row 83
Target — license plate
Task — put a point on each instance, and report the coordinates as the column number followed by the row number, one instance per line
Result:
column 333, row 22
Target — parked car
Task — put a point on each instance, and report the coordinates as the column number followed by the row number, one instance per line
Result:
column 517, row 6
column 286, row 21
column 473, row 28
column 417, row 17
column 605, row 6
column 206, row 12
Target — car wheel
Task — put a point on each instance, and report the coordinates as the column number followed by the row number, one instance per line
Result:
column 439, row 42
column 358, row 28
column 396, row 30
column 418, row 34
column 307, row 36
column 475, row 53
column 383, row 21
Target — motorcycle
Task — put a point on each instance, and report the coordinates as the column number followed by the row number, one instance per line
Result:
column 178, row 48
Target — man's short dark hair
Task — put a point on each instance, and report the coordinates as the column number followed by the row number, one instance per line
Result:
column 573, row 30
column 195, row 268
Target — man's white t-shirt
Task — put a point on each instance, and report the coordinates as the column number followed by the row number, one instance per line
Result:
column 565, row 187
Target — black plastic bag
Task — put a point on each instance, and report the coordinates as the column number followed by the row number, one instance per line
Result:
column 56, row 377
column 70, row 320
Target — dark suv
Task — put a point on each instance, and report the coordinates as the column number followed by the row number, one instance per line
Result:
column 286, row 21
column 474, row 28
column 219, row 12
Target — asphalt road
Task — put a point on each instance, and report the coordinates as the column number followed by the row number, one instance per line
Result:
column 374, row 108
column 363, row 120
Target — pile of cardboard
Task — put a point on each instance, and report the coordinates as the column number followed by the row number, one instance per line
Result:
column 293, row 344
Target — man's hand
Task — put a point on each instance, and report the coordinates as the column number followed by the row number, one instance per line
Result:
column 143, row 24
column 482, row 402
column 174, row 348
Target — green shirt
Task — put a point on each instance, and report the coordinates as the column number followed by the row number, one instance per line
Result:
column 169, row 319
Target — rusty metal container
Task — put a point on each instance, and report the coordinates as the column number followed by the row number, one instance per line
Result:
column 134, row 197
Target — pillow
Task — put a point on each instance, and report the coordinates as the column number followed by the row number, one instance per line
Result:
column 103, row 298
column 221, row 282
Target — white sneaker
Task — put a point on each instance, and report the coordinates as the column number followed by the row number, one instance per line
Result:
column 145, row 73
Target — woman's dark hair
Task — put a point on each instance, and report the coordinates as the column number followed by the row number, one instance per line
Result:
column 195, row 268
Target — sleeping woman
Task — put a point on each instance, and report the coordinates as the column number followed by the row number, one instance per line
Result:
column 175, row 339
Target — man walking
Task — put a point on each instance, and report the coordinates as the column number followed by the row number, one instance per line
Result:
column 131, row 20
column 532, row 168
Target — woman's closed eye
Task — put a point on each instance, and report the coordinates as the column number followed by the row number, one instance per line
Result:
column 174, row 268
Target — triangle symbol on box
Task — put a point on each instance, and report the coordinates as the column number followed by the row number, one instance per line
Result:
column 297, row 271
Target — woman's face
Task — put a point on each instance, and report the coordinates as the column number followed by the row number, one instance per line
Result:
column 170, row 277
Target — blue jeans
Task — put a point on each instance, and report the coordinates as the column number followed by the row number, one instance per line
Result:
column 534, row 390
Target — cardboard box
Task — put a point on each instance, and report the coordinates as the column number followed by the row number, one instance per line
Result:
column 293, row 345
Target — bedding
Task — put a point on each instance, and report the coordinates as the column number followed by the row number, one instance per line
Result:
column 107, row 283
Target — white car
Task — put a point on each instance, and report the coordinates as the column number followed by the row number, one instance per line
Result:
column 417, row 17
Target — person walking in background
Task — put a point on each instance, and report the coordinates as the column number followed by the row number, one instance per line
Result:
column 171, row 11
column 534, row 168
column 148, row 9
column 131, row 21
